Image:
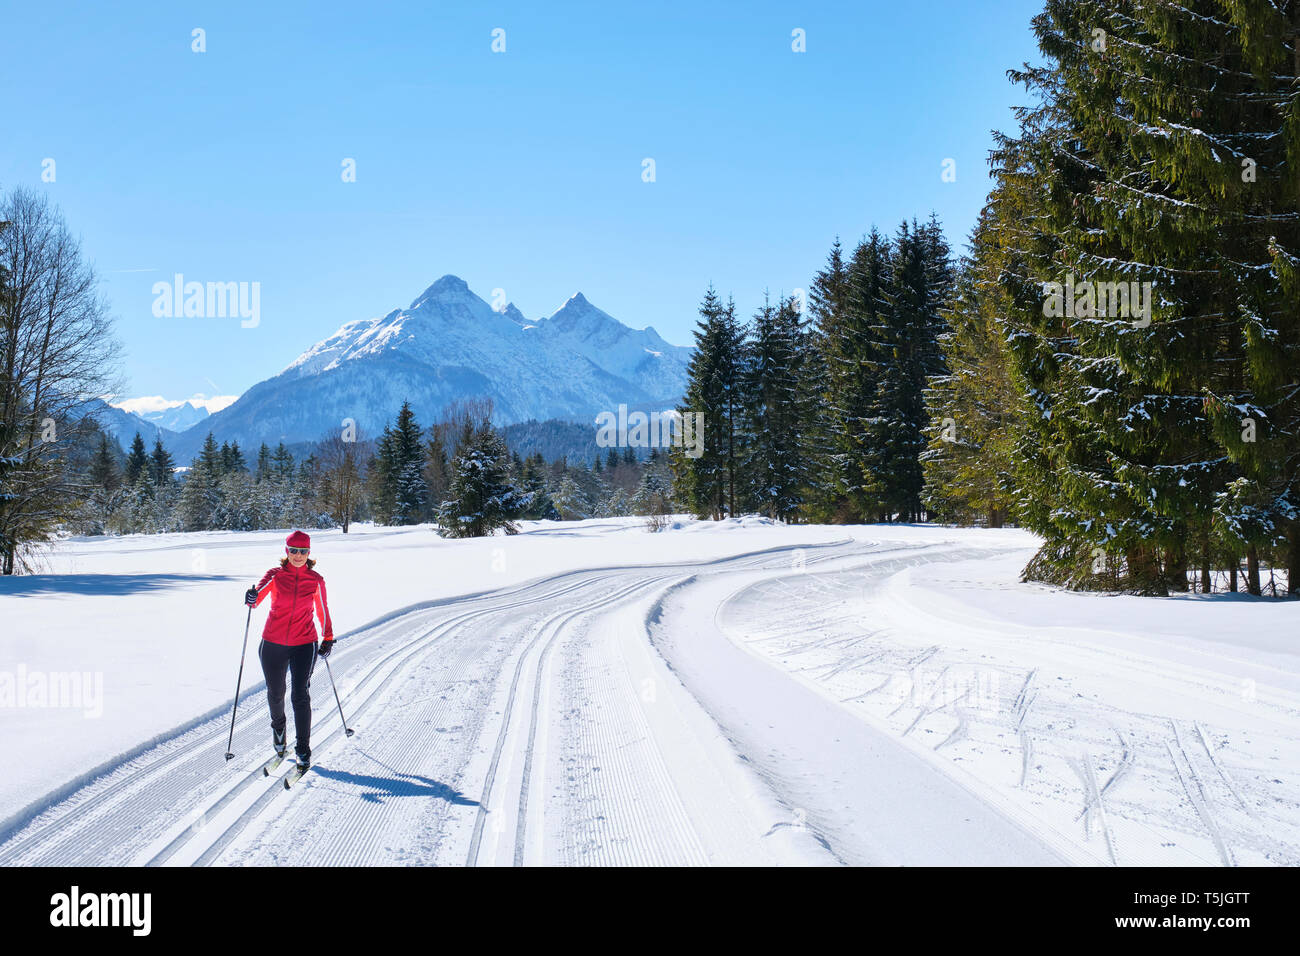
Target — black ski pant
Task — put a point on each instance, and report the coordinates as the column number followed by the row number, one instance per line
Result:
column 299, row 661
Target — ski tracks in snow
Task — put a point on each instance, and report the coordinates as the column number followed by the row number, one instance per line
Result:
column 472, row 747
column 1050, row 735
column 759, row 709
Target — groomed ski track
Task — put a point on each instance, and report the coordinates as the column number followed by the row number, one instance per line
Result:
column 541, row 724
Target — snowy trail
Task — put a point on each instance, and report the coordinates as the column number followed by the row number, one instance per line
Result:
column 175, row 780
column 874, row 700
column 1123, row 746
column 447, row 701
column 872, row 800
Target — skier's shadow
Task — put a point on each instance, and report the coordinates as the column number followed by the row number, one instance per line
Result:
column 407, row 785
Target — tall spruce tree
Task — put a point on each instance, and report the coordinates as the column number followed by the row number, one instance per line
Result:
column 1161, row 227
column 381, row 478
column 162, row 467
column 104, row 473
column 825, row 427
column 201, row 501
column 976, row 407
column 282, row 463
column 263, row 463
column 708, row 481
column 232, row 459
column 857, row 347
column 1255, row 411
column 437, row 467
column 410, row 490
column 905, row 354
column 773, row 462
column 137, row 460
column 804, row 405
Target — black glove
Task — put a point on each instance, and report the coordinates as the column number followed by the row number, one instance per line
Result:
column 250, row 597
column 325, row 648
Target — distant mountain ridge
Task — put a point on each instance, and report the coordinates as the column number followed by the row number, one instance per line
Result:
column 177, row 418
column 450, row 344
column 124, row 425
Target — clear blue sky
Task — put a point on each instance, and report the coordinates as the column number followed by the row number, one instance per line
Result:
column 519, row 170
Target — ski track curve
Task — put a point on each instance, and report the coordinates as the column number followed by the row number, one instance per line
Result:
column 870, row 799
column 1107, row 782
column 424, row 688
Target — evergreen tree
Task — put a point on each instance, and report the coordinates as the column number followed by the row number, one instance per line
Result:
column 481, row 498
column 263, row 463
column 210, row 457
column 437, row 469
column 232, row 459
column 104, row 472
column 616, row 504
column 1254, row 411
column 105, row 492
column 540, row 505
column 976, row 408
column 201, row 504
column 137, row 460
column 832, row 427
column 162, row 467
column 309, row 471
column 774, row 414
column 906, row 352
column 852, row 343
column 708, row 482
column 282, row 463
column 134, row 510
column 569, row 500
column 381, row 479
column 235, row 508
column 1162, row 226
column 410, row 489
column 653, row 495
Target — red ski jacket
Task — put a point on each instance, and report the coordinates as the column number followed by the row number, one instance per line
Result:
column 295, row 594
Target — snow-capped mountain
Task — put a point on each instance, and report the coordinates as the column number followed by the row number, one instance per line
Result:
column 450, row 344
column 124, row 425
column 640, row 357
column 178, row 417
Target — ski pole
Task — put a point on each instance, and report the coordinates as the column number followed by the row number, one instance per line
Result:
column 238, row 681
column 348, row 729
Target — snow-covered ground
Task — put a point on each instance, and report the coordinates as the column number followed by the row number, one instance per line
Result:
column 588, row 693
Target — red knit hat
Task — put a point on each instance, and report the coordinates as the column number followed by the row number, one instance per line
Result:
column 297, row 540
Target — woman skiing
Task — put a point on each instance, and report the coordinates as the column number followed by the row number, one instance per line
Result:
column 289, row 639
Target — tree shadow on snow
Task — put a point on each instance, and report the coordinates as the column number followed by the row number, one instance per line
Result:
column 107, row 584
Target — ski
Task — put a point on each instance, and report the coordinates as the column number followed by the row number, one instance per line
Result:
column 294, row 776
column 272, row 764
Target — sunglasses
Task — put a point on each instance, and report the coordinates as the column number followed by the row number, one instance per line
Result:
column 298, row 550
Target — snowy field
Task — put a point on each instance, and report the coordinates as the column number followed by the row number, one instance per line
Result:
column 588, row 693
